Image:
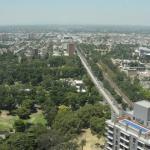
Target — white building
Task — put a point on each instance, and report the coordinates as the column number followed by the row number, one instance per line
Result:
column 143, row 51
column 130, row 131
column 144, row 78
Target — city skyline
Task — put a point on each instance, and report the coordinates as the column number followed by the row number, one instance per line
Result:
column 96, row 12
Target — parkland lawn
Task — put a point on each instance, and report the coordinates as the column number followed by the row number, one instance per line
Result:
column 7, row 121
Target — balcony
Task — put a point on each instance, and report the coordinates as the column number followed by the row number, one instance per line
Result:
column 110, row 143
column 110, row 137
column 126, row 146
column 124, row 139
column 109, row 148
column 140, row 148
column 109, row 131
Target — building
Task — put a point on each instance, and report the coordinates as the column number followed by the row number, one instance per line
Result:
column 144, row 78
column 130, row 72
column 71, row 49
column 80, row 86
column 144, row 51
column 130, row 131
column 4, row 37
column 35, row 52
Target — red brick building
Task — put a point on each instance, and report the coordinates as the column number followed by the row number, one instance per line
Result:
column 71, row 49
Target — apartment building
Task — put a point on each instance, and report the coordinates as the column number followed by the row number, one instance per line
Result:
column 130, row 131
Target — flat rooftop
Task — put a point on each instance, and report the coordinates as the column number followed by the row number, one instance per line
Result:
column 133, row 129
column 134, row 126
column 144, row 103
column 144, row 49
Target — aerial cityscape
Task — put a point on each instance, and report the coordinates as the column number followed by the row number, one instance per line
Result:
column 74, row 76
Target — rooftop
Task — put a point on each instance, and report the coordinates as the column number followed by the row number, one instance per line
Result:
column 144, row 49
column 144, row 103
column 134, row 126
column 131, row 128
column 78, row 81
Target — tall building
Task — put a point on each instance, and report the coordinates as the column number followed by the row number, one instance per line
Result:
column 130, row 131
column 71, row 49
column 4, row 37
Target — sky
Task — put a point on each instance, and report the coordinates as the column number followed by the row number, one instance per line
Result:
column 72, row 12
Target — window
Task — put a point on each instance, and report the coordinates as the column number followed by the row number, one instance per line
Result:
column 147, row 147
column 126, row 143
column 110, row 145
column 140, row 144
column 127, row 137
column 121, row 141
column 122, row 134
column 134, row 140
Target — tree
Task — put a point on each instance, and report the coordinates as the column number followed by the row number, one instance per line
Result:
column 72, row 99
column 88, row 111
column 8, row 103
column 29, row 104
column 54, row 140
column 23, row 112
column 19, row 125
column 97, row 125
column 50, row 114
column 67, row 123
column 83, row 143
column 20, row 141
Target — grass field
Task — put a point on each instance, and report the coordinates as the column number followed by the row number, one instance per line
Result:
column 7, row 121
column 37, row 118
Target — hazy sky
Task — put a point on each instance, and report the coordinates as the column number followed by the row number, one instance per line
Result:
column 118, row 12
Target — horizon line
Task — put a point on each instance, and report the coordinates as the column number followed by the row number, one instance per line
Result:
column 57, row 24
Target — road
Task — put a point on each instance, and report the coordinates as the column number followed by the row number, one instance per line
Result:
column 109, row 99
